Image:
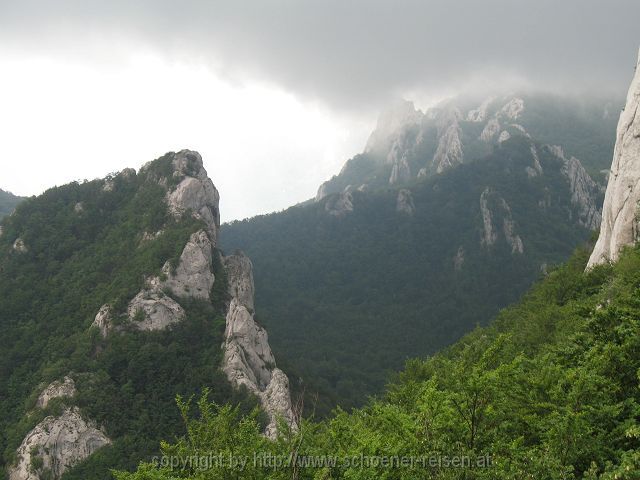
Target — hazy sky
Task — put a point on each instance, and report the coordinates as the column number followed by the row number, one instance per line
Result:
column 276, row 95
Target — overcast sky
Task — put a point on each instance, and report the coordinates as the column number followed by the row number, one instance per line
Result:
column 276, row 95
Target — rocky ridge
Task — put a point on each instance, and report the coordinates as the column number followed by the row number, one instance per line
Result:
column 248, row 360
column 408, row 143
column 67, row 439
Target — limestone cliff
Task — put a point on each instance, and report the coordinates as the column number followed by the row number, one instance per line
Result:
column 248, row 360
column 620, row 221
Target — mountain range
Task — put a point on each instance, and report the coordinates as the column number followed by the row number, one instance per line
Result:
column 115, row 300
column 446, row 217
column 123, row 296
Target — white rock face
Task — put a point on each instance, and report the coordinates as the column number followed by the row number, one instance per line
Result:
column 400, row 171
column 78, row 207
column 152, row 309
column 449, row 152
column 103, row 320
column 240, row 279
column 149, row 236
column 508, row 227
column 620, row 223
column 490, row 130
column 61, row 442
column 392, row 123
column 513, row 109
column 404, row 202
column 536, row 169
column 193, row 277
column 584, row 191
column 480, row 113
column 490, row 232
column 57, row 389
column 504, row 136
column 248, row 360
column 489, row 236
column 458, row 259
column 195, row 193
column 322, row 192
column 339, row 205
column 108, row 186
column 19, row 246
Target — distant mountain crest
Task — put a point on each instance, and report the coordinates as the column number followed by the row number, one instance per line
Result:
column 8, row 202
column 408, row 144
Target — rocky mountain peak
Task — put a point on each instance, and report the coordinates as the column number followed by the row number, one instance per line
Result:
column 195, row 192
column 391, row 123
column 620, row 221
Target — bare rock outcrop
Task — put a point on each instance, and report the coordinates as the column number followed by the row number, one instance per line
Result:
column 512, row 109
column 400, row 170
column 490, row 231
column 193, row 277
column 584, row 191
column 19, row 246
column 490, row 130
column 322, row 191
column 504, row 136
column 248, row 360
column 620, row 220
column 239, row 271
column 195, row 193
column 458, row 259
column 57, row 389
column 339, row 205
column 404, row 202
column 152, row 309
column 480, row 114
column 391, row 125
column 59, row 443
column 103, row 320
column 449, row 152
column 536, row 168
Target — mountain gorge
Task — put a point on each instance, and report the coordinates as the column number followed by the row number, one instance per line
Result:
column 446, row 217
column 121, row 283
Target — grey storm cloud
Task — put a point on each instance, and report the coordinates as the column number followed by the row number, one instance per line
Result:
column 353, row 53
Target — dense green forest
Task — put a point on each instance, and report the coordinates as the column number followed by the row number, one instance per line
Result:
column 348, row 299
column 8, row 202
column 550, row 390
column 83, row 248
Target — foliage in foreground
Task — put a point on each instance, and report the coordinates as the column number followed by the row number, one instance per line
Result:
column 548, row 391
